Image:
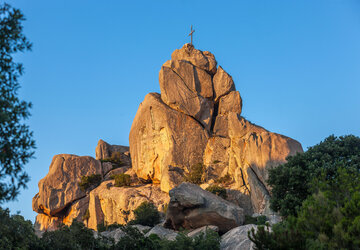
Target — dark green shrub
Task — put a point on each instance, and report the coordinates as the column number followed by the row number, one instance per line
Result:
column 226, row 179
column 218, row 190
column 260, row 220
column 196, row 174
column 146, row 214
column 16, row 232
column 122, row 180
column 329, row 218
column 77, row 236
column 115, row 159
column 90, row 181
column 209, row 241
column 296, row 180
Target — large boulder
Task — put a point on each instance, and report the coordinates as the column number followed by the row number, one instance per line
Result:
column 109, row 204
column 237, row 239
column 60, row 187
column 192, row 207
column 164, row 142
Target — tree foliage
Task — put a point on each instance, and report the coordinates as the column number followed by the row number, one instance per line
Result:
column 16, row 143
column 295, row 180
column 16, row 233
column 146, row 214
column 328, row 218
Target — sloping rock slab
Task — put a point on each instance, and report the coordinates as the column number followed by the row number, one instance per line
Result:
column 237, row 239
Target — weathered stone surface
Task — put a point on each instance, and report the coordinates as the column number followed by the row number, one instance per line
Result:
column 223, row 83
column 202, row 230
column 121, row 170
column 60, row 187
column 163, row 233
column 110, row 204
column 204, row 60
column 163, row 142
column 216, row 157
column 243, row 200
column 46, row 223
column 230, row 103
column 195, row 79
column 221, row 126
column 104, row 151
column 237, row 239
column 177, row 95
column 141, row 228
column 254, row 150
column 76, row 211
column 116, row 234
column 192, row 207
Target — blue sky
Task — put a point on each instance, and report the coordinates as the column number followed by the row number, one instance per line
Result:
column 295, row 63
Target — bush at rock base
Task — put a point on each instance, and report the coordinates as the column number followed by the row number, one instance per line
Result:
column 146, row 214
column 329, row 218
column 134, row 239
column 260, row 220
column 16, row 232
column 121, row 180
column 218, row 190
column 196, row 174
column 226, row 179
column 93, row 181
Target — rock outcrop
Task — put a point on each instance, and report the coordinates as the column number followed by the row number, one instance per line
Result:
column 163, row 141
column 195, row 121
column 109, row 204
column 59, row 187
column 192, row 207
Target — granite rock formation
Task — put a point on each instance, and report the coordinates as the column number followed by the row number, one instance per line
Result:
column 196, row 119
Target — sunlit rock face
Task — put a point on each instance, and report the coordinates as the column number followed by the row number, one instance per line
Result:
column 196, row 119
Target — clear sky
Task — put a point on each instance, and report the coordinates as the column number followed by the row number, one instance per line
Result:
column 295, row 63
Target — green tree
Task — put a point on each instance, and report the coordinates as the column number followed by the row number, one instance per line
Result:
column 16, row 233
column 297, row 179
column 16, row 143
column 146, row 214
column 329, row 217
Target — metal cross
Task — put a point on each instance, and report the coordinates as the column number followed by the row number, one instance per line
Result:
column 191, row 35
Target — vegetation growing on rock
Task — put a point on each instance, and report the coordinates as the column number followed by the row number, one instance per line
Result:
column 122, row 180
column 218, row 190
column 196, row 174
column 90, row 181
column 115, row 159
column 146, row 214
